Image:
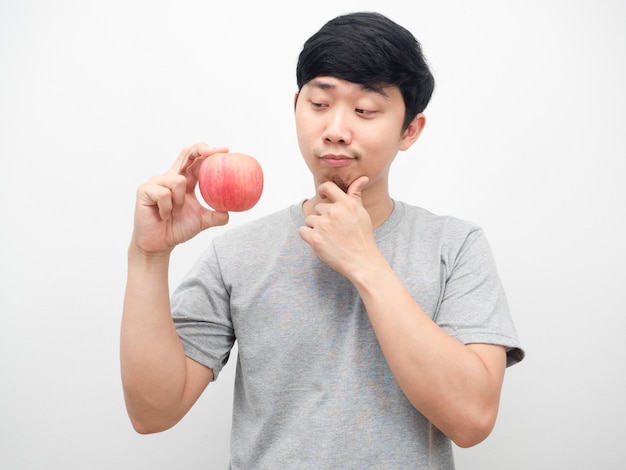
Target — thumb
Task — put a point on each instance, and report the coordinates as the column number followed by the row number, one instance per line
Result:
column 214, row 218
column 356, row 187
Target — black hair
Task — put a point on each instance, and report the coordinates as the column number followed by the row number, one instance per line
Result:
column 369, row 49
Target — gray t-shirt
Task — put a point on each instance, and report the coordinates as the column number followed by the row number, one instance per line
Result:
column 312, row 387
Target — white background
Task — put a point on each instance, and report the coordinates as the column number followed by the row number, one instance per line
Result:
column 525, row 136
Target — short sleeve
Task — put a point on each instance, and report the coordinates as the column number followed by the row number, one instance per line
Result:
column 474, row 307
column 201, row 314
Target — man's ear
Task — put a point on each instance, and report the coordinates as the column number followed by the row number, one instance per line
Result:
column 413, row 131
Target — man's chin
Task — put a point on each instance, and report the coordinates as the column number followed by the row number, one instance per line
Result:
column 343, row 184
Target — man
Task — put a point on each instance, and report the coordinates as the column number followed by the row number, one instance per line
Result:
column 370, row 332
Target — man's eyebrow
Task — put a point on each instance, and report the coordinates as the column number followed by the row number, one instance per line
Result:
column 379, row 89
column 322, row 85
column 374, row 88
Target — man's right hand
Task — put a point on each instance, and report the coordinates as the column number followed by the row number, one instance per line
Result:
column 167, row 211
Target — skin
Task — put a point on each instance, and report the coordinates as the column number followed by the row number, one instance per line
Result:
column 348, row 137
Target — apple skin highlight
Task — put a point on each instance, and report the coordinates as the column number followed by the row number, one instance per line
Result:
column 230, row 182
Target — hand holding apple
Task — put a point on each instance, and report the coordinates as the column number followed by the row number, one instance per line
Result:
column 230, row 182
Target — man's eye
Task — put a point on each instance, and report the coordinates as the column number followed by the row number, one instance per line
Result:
column 364, row 112
column 317, row 105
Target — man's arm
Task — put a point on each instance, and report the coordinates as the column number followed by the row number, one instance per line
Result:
column 160, row 383
column 456, row 386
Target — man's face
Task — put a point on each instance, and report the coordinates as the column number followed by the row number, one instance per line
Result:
column 346, row 131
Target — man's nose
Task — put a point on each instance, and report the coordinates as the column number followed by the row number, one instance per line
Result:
column 338, row 129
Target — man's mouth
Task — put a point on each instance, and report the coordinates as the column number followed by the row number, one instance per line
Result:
column 336, row 161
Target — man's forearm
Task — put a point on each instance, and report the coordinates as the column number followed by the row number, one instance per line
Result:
column 152, row 357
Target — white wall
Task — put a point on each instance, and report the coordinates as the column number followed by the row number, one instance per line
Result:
column 525, row 137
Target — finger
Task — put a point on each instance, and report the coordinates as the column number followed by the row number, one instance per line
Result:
column 330, row 191
column 309, row 221
column 178, row 191
column 305, row 233
column 190, row 154
column 356, row 187
column 156, row 196
column 165, row 192
column 212, row 218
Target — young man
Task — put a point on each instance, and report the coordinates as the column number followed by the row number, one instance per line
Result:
column 370, row 332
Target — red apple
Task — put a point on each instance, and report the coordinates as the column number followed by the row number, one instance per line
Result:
column 230, row 182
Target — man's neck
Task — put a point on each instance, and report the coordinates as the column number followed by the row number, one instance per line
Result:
column 379, row 209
